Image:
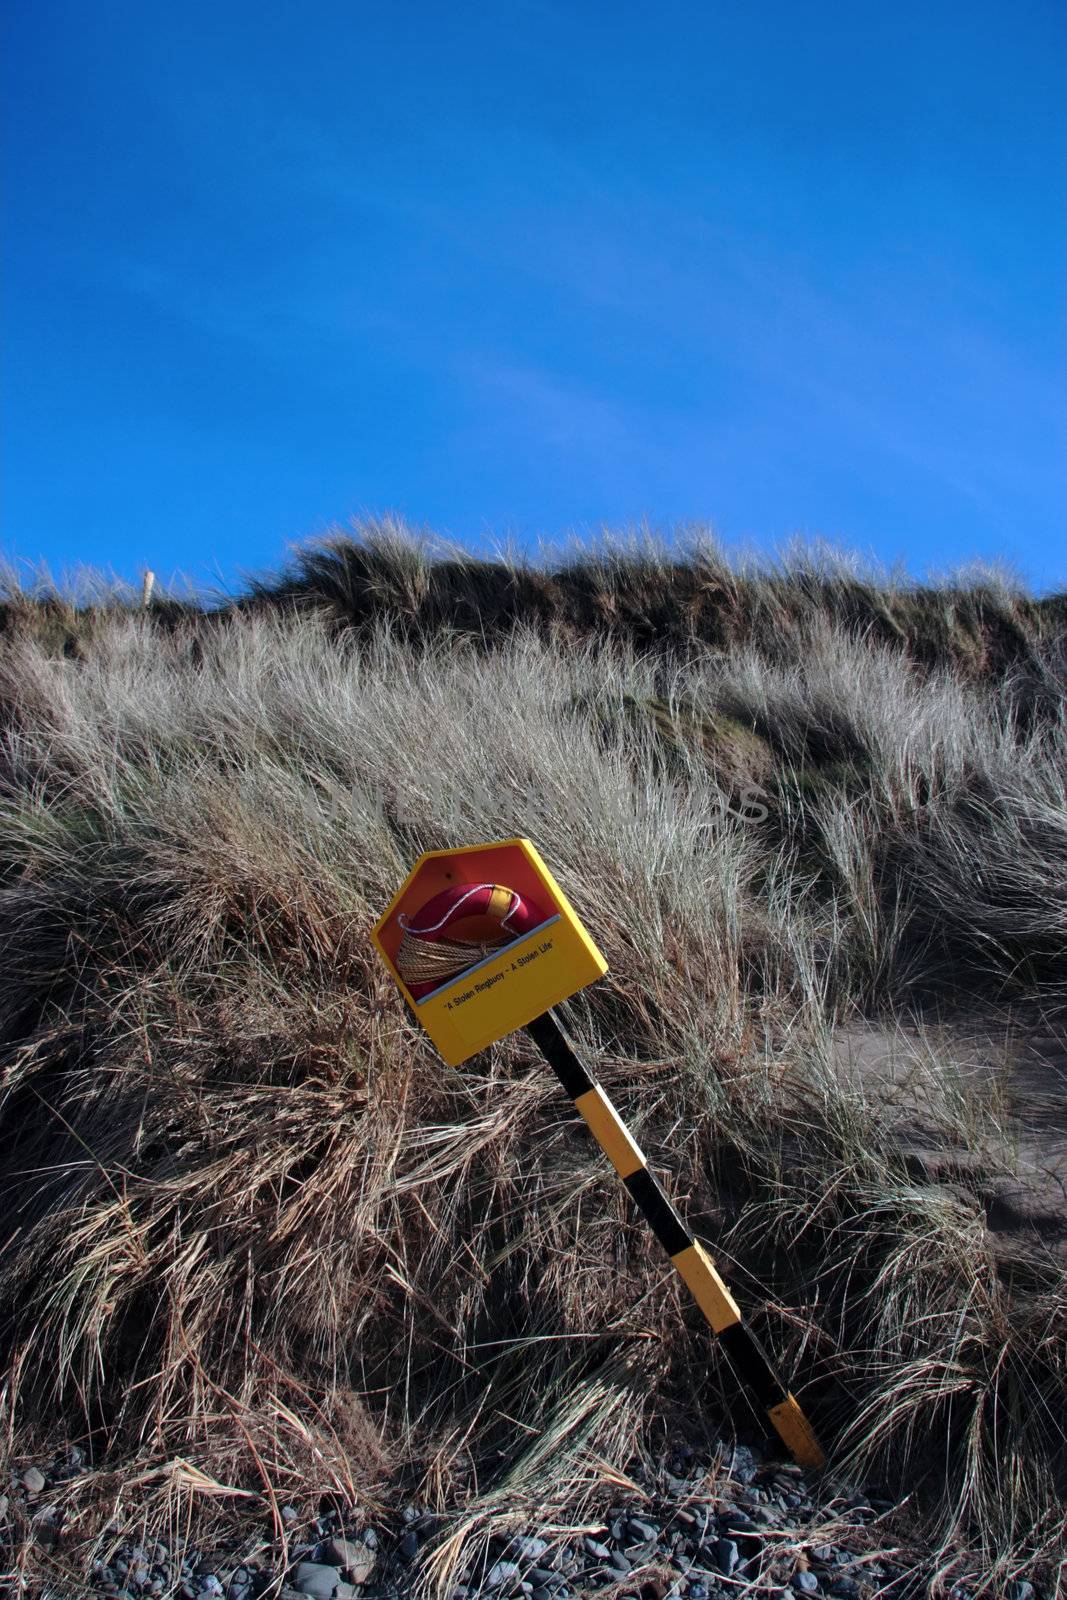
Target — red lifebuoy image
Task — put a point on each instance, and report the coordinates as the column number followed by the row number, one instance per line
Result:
column 458, row 927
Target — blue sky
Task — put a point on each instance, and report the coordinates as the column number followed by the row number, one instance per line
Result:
column 527, row 269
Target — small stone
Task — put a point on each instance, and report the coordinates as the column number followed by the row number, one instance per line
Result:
column 209, row 1586
column 726, row 1556
column 354, row 1558
column 410, row 1514
column 642, row 1532
column 619, row 1562
column 33, row 1481
column 1020, row 1590
column 737, row 1521
column 409, row 1546
column 527, row 1547
column 845, row 1589
column 743, row 1463
column 698, row 1591
column 370, row 1538
column 290, row 1515
column 501, row 1573
column 593, row 1547
column 315, row 1579
column 806, row 1582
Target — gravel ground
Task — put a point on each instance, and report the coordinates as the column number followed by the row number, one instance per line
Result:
column 738, row 1525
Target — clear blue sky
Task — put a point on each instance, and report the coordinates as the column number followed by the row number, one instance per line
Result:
column 521, row 269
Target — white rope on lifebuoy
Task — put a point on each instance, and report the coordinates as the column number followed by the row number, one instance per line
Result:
column 426, row 957
column 450, row 914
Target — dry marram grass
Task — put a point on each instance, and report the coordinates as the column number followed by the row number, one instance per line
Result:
column 259, row 1248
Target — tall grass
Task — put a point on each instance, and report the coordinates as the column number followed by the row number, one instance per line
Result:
column 257, row 1243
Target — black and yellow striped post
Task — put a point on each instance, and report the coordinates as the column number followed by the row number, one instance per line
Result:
column 692, row 1262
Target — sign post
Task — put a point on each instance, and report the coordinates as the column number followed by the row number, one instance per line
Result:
column 482, row 941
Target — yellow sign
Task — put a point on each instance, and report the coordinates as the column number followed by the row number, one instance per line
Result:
column 481, row 941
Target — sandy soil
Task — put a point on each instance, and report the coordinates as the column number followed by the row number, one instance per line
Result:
column 1001, row 1079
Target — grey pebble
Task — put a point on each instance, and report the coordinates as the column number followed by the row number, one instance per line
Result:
column 743, row 1463
column 726, row 1556
column 593, row 1547
column 644, row 1532
column 806, row 1582
column 33, row 1480
column 528, row 1547
column 1021, row 1590
column 315, row 1579
column 409, row 1546
column 500, row 1573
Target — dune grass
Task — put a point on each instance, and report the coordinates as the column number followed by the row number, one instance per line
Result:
column 259, row 1248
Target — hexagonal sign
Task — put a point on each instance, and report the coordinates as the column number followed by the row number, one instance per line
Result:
column 481, row 941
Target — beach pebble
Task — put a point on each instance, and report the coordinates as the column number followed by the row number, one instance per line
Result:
column 315, row 1579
